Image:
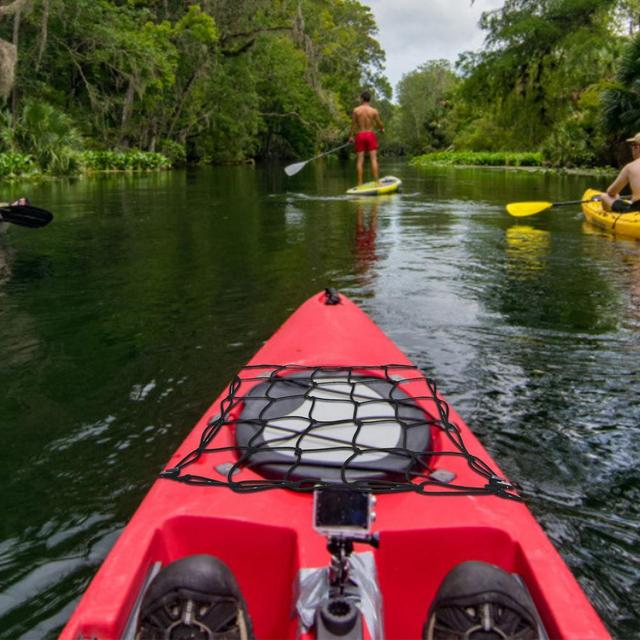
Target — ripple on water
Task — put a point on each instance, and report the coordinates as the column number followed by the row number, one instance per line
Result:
column 35, row 592
column 111, row 351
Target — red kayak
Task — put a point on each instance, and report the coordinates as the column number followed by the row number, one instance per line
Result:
column 329, row 478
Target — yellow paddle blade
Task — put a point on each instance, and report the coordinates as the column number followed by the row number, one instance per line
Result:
column 521, row 209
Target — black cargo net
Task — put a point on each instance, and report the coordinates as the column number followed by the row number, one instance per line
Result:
column 301, row 428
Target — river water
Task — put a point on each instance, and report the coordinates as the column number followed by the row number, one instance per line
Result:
column 123, row 319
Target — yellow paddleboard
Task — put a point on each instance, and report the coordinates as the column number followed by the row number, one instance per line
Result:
column 388, row 184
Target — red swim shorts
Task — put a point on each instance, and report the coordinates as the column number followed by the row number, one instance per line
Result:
column 365, row 141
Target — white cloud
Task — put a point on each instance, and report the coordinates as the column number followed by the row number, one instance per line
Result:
column 414, row 31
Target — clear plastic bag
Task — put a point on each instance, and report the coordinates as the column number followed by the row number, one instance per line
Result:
column 314, row 592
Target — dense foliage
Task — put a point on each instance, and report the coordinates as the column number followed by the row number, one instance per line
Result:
column 221, row 81
column 622, row 98
column 560, row 77
column 13, row 165
column 133, row 160
column 481, row 158
column 422, row 120
column 208, row 80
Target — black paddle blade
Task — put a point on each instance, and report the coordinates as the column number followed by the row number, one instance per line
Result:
column 25, row 215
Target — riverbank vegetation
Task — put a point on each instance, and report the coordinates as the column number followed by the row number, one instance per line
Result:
column 144, row 84
column 22, row 165
column 208, row 81
column 481, row 158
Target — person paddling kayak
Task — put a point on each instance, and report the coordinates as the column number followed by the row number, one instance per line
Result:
column 4, row 225
column 20, row 202
column 629, row 175
column 24, row 214
column 364, row 119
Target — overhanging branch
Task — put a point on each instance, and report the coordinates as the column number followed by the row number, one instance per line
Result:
column 290, row 114
column 12, row 8
column 251, row 34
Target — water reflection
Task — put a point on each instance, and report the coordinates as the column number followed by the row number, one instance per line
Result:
column 527, row 247
column 366, row 232
column 120, row 324
column 634, row 286
column 623, row 257
column 6, row 260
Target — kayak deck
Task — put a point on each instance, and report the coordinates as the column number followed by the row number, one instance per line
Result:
column 308, row 427
column 229, row 502
column 627, row 224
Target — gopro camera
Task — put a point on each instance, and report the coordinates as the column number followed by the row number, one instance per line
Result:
column 343, row 513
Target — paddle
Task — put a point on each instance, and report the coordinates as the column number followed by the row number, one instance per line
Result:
column 292, row 169
column 522, row 209
column 25, row 215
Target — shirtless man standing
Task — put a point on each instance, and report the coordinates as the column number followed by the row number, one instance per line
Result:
column 363, row 121
column 630, row 175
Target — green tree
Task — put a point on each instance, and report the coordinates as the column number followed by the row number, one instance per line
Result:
column 292, row 118
column 339, row 38
column 621, row 100
column 209, row 79
column 539, row 56
column 424, row 103
column 49, row 136
column 9, row 48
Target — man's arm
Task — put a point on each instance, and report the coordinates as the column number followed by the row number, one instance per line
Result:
column 619, row 183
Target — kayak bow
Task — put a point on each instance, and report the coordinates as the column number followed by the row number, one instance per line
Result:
column 331, row 402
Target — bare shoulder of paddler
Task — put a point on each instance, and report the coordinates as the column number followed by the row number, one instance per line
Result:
column 366, row 117
column 17, row 203
column 633, row 175
column 629, row 175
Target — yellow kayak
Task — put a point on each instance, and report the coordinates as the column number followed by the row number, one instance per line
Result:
column 626, row 224
column 388, row 184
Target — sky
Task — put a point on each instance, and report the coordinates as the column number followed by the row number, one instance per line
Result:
column 414, row 31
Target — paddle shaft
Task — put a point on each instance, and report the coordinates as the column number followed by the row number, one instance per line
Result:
column 326, row 153
column 569, row 202
column 292, row 169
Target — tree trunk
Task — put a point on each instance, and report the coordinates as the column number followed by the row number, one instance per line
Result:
column 8, row 59
column 8, row 50
column 16, row 39
column 183, row 98
column 267, row 149
column 44, row 30
column 12, row 8
column 127, row 108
